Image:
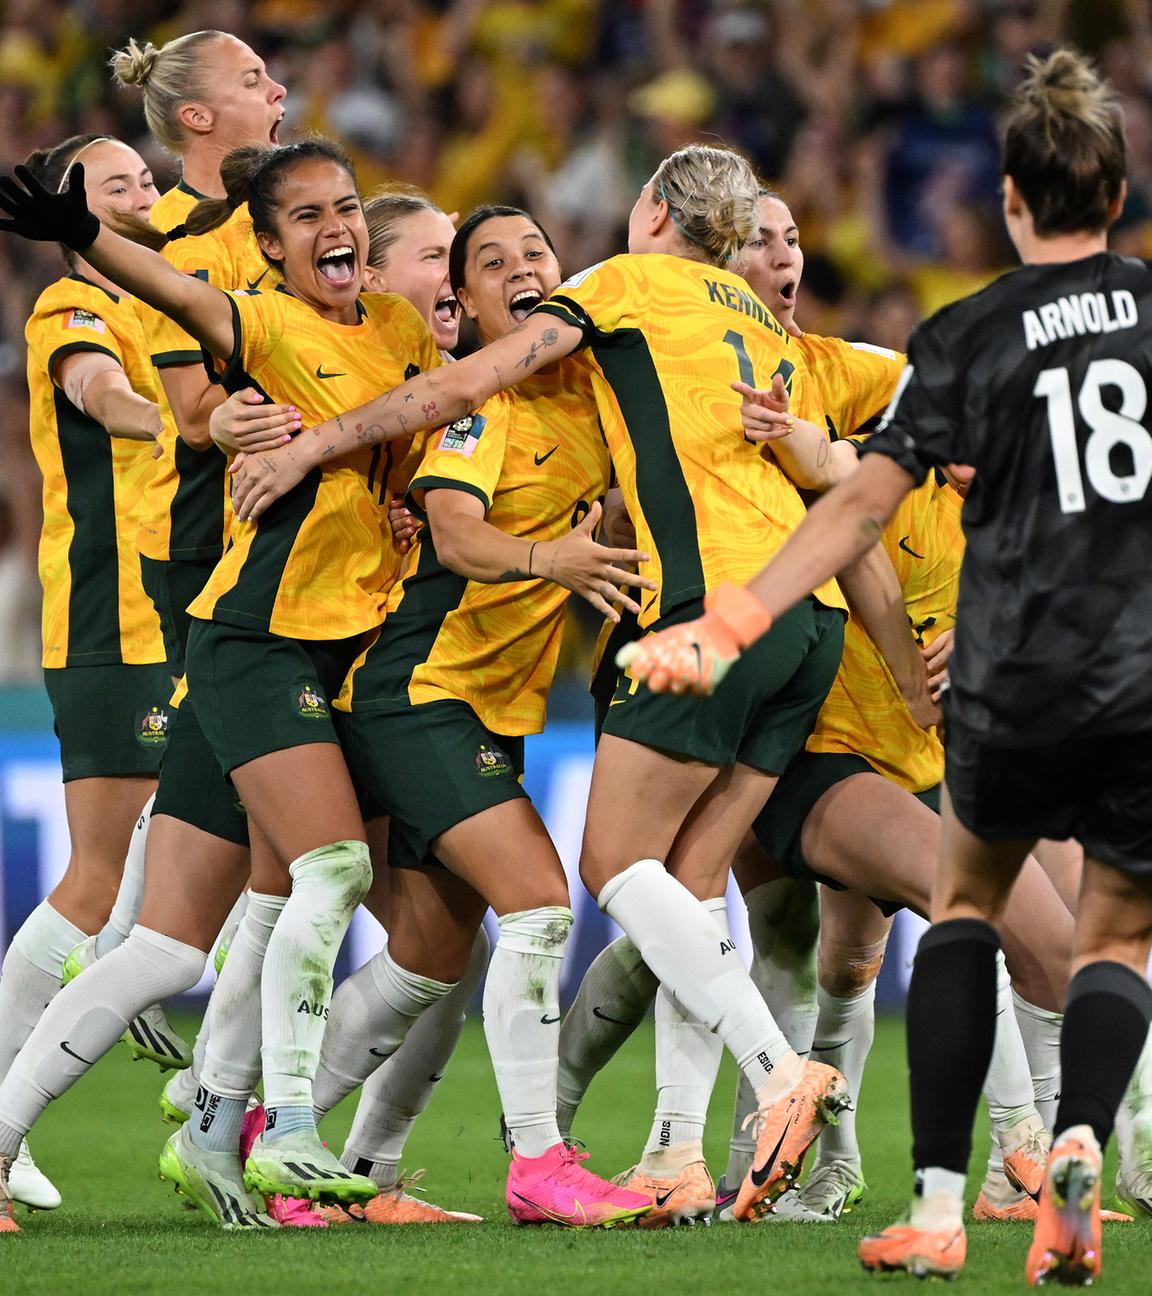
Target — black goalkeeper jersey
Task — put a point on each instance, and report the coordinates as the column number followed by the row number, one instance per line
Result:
column 1041, row 382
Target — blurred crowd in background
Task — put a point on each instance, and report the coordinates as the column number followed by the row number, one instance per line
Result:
column 876, row 119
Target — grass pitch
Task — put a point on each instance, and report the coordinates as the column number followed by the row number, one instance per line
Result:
column 122, row 1231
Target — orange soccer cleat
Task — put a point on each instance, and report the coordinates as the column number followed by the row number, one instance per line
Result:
column 1066, row 1244
column 685, row 1197
column 924, row 1253
column 787, row 1129
column 396, row 1205
column 7, row 1210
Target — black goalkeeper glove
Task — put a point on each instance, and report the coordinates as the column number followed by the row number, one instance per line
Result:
column 49, row 217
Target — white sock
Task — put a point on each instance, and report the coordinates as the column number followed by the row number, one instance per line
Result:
column 613, row 997
column 939, row 1199
column 1008, row 1087
column 228, row 932
column 683, row 946
column 89, row 1015
column 397, row 1092
column 372, row 1012
column 231, row 1067
column 521, row 1016
column 784, row 929
column 687, row 1060
column 296, row 989
column 30, row 976
column 844, row 1034
column 1040, row 1031
column 123, row 916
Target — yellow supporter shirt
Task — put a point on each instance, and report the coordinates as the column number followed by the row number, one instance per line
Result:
column 316, row 565
column 95, row 610
column 536, row 459
column 665, row 339
column 188, row 510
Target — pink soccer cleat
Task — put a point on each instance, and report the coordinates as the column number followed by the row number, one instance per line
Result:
column 288, row 1212
column 556, row 1189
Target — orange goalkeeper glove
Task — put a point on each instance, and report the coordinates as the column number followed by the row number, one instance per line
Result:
column 695, row 657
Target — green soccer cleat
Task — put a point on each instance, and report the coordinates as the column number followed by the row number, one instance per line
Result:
column 299, row 1165
column 149, row 1036
column 213, row 1181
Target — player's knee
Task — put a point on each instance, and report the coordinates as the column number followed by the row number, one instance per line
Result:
column 846, row 971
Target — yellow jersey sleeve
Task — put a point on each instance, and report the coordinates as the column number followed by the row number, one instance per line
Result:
column 64, row 330
column 856, row 380
column 602, row 299
column 467, row 455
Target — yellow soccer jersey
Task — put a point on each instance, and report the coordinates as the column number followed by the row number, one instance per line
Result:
column 666, row 337
column 855, row 381
column 864, row 712
column 536, row 459
column 315, row 566
column 95, row 610
column 188, row 510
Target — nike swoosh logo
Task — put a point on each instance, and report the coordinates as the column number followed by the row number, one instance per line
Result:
column 661, row 1198
column 321, row 374
column 541, row 459
column 573, row 1217
column 253, row 284
column 377, row 1053
column 435, row 1079
column 548, row 1021
column 827, row 1048
column 73, row 1053
column 904, row 545
column 760, row 1174
column 603, row 1015
column 652, row 599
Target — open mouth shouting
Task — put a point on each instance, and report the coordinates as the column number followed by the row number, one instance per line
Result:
column 787, row 294
column 338, row 265
column 274, row 133
column 445, row 310
column 523, row 303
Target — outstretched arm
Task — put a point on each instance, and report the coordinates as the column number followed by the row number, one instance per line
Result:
column 63, row 217
column 471, row 546
column 429, row 400
column 839, row 528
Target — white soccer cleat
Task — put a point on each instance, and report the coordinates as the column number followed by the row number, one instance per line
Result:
column 831, row 1190
column 29, row 1185
column 1134, row 1176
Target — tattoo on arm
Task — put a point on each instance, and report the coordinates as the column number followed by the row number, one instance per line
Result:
column 547, row 338
column 822, row 453
column 431, row 410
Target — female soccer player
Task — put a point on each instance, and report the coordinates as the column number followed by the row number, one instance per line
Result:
column 704, row 502
column 1033, row 382
column 408, row 244
column 278, row 622
column 94, row 426
column 457, row 676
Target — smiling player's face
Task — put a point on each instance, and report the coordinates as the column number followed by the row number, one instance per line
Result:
column 320, row 237
column 509, row 269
